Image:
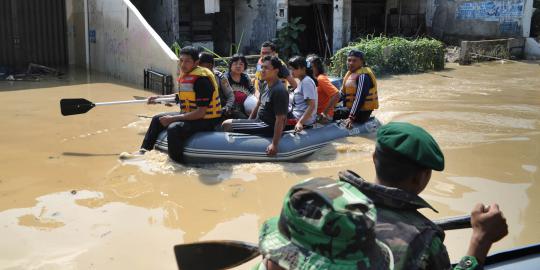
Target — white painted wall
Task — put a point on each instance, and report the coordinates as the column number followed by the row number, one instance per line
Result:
column 125, row 43
column 532, row 49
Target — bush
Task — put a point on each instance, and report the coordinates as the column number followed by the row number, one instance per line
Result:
column 393, row 55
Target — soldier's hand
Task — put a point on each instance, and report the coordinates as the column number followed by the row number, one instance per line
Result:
column 488, row 223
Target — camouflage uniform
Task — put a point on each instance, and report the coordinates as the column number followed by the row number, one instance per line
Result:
column 324, row 224
column 415, row 241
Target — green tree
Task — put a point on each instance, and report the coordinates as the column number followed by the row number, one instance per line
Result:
column 287, row 37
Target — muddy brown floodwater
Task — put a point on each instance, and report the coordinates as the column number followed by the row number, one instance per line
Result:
column 68, row 202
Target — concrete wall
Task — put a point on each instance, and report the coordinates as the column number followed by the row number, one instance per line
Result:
column 162, row 16
column 341, row 23
column 125, row 44
column 532, row 49
column 258, row 21
column 75, row 33
column 479, row 19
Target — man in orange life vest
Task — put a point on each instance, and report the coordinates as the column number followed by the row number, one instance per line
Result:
column 199, row 102
column 359, row 91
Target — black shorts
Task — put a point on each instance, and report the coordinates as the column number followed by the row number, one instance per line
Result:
column 252, row 126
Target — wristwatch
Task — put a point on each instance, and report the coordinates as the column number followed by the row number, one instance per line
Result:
column 467, row 263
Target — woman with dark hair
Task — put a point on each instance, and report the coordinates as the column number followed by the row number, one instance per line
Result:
column 304, row 98
column 242, row 88
column 328, row 94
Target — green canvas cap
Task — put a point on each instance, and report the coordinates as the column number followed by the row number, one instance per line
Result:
column 412, row 142
column 325, row 224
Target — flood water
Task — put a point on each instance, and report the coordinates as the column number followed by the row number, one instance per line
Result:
column 67, row 200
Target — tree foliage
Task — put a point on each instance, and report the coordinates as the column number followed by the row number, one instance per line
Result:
column 287, row 37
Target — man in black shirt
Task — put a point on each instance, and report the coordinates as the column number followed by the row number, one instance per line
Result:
column 269, row 116
column 199, row 102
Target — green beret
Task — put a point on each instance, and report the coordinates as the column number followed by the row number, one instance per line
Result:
column 412, row 142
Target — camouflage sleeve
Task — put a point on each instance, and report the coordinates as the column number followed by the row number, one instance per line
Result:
column 437, row 255
column 439, row 259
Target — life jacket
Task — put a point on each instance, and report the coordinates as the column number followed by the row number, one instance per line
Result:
column 350, row 86
column 258, row 82
column 186, row 93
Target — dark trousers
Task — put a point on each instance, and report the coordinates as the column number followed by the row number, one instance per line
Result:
column 343, row 113
column 177, row 134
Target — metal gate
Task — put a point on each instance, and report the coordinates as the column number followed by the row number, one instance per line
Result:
column 33, row 31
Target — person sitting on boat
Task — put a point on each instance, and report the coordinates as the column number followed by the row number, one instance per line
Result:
column 269, row 49
column 226, row 95
column 270, row 114
column 359, row 91
column 404, row 158
column 304, row 98
column 327, row 93
column 324, row 224
column 199, row 102
column 241, row 86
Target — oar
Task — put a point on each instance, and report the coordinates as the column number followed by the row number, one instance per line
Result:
column 71, row 106
column 223, row 254
column 227, row 254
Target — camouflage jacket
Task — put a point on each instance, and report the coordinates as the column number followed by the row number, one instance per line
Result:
column 416, row 242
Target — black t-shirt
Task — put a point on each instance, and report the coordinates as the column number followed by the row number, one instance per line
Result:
column 274, row 101
column 203, row 91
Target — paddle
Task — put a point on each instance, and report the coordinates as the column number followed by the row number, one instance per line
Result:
column 209, row 255
column 71, row 106
column 227, row 254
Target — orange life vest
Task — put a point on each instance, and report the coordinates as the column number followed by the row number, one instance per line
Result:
column 350, row 86
column 186, row 93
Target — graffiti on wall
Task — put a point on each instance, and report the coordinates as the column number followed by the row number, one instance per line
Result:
column 508, row 13
column 495, row 10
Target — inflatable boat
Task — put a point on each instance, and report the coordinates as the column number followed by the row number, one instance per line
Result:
column 523, row 258
column 212, row 147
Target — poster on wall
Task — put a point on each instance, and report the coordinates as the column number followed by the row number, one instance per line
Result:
column 501, row 10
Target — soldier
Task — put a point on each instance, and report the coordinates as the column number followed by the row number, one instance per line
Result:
column 404, row 157
column 323, row 224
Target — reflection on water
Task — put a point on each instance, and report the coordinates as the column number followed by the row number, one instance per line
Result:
column 70, row 200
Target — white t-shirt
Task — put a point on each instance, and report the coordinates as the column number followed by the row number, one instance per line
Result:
column 305, row 90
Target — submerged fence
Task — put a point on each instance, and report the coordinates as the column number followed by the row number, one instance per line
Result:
column 158, row 82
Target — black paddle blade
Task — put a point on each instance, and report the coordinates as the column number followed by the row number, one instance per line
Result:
column 213, row 255
column 71, row 106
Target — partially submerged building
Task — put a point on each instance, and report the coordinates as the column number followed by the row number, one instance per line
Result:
column 122, row 38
